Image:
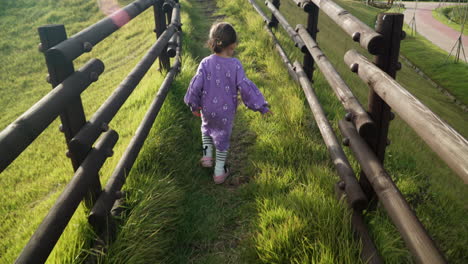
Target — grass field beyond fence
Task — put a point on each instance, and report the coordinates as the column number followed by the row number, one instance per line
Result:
column 279, row 205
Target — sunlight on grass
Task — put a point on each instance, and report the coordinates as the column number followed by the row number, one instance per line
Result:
column 285, row 212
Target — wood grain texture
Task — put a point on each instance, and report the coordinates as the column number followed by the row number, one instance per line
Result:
column 441, row 137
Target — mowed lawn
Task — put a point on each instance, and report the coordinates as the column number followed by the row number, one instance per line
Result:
column 279, row 205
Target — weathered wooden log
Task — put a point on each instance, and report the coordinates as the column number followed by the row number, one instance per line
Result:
column 312, row 28
column 353, row 190
column 274, row 20
column 259, row 11
column 100, row 213
column 307, row 5
column 360, row 32
column 172, row 45
column 415, row 236
column 441, row 137
column 175, row 18
column 284, row 23
column 49, row 231
column 17, row 136
column 282, row 53
column 390, row 27
column 84, row 40
column 98, row 122
column 359, row 116
column 73, row 117
column 160, row 28
column 168, row 7
column 369, row 252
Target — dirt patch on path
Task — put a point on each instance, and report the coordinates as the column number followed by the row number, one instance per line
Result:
column 209, row 8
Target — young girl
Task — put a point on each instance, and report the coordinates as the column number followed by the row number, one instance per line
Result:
column 214, row 89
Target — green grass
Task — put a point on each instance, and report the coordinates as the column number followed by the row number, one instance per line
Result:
column 416, row 170
column 33, row 182
column 431, row 59
column 287, row 212
column 452, row 16
column 286, row 209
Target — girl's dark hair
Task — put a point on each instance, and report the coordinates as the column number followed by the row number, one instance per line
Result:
column 221, row 35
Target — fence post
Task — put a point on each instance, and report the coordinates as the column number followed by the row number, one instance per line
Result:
column 160, row 21
column 167, row 8
column 389, row 25
column 312, row 22
column 73, row 118
column 273, row 21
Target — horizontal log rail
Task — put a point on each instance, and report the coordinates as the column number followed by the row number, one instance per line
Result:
column 172, row 45
column 106, row 112
column 175, row 18
column 100, row 213
column 49, row 231
column 356, row 197
column 360, row 32
column 17, row 136
column 416, row 238
column 85, row 183
column 84, row 40
column 418, row 116
column 259, row 11
column 359, row 115
column 284, row 23
column 369, row 253
column 441, row 137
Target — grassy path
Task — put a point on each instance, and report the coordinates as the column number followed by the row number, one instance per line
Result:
column 279, row 205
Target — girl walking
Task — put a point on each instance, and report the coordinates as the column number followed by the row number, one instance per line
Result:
column 213, row 92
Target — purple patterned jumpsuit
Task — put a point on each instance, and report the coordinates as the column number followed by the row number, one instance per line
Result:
column 214, row 90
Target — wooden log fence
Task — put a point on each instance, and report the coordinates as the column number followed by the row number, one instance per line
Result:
column 359, row 115
column 49, row 231
column 441, row 137
column 16, row 137
column 412, row 231
column 98, row 122
column 366, row 131
column 356, row 197
column 284, row 23
column 65, row 101
column 85, row 40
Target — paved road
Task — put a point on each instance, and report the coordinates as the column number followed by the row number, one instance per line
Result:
column 435, row 31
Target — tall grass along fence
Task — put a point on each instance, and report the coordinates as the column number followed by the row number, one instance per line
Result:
column 365, row 131
column 90, row 142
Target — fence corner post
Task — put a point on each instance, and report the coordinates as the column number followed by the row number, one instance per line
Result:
column 274, row 21
column 73, row 117
column 160, row 27
column 389, row 25
column 312, row 27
